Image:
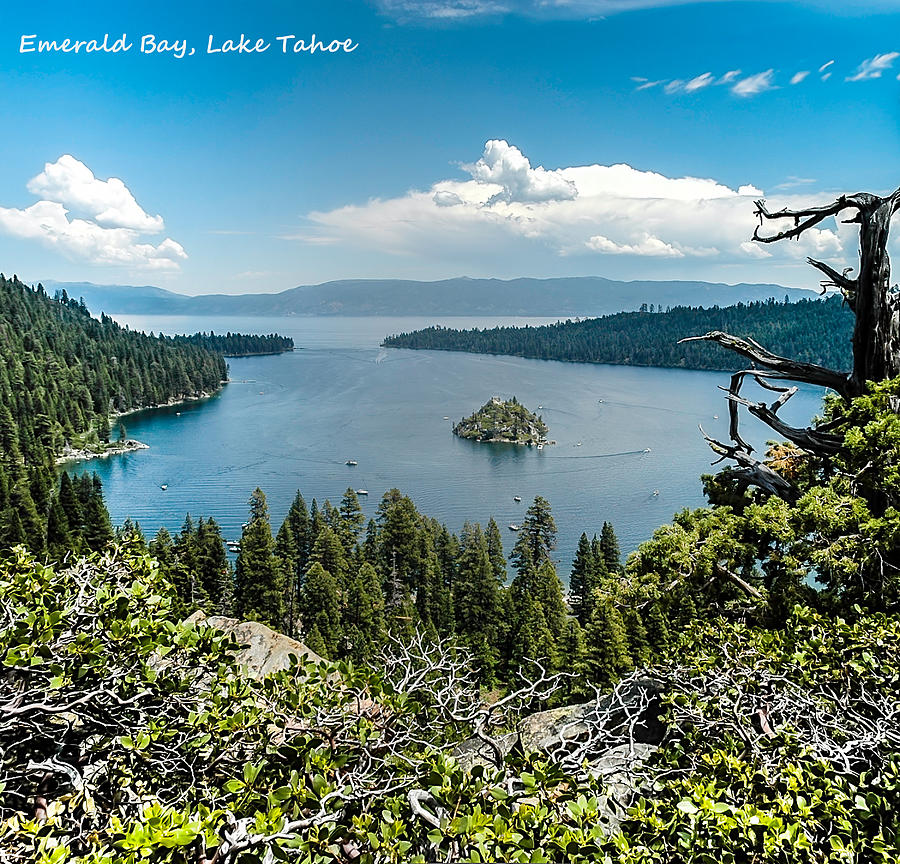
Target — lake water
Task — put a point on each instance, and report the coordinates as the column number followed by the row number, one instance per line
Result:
column 291, row 422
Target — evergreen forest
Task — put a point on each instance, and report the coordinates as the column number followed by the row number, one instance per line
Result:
column 727, row 694
column 812, row 331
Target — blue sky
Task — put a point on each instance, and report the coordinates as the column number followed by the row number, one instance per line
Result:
column 461, row 137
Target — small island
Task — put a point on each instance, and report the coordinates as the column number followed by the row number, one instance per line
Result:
column 502, row 421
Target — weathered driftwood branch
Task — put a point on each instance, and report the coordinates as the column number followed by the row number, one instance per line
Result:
column 753, row 472
column 835, row 279
column 788, row 369
column 876, row 335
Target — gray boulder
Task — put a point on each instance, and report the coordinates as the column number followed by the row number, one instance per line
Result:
column 263, row 650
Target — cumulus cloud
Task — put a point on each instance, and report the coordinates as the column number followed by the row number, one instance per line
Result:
column 445, row 198
column 752, row 85
column 506, row 167
column 89, row 219
column 797, row 77
column 874, row 66
column 648, row 245
column 507, row 211
column 108, row 202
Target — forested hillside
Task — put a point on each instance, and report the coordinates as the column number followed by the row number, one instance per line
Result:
column 813, row 331
column 239, row 344
column 63, row 375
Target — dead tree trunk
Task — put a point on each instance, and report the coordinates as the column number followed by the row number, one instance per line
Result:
column 876, row 333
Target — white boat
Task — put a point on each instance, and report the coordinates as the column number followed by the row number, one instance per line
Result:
column 516, row 498
column 655, row 492
column 164, row 486
column 540, row 407
column 715, row 416
column 646, row 449
column 578, row 444
column 540, row 446
column 177, row 413
column 362, row 491
column 351, row 462
column 446, row 418
column 513, row 527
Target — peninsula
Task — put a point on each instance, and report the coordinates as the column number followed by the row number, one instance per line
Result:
column 500, row 421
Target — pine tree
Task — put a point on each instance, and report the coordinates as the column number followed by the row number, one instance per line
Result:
column 657, row 632
column 287, row 554
column 573, row 658
column 213, row 569
column 528, row 639
column 298, row 519
column 607, row 643
column 434, row 601
column 97, row 527
column 71, row 506
column 258, row 581
column 476, row 600
column 328, row 551
column 320, row 606
column 370, row 544
column 495, row 551
column 400, row 552
column 161, row 548
column 537, row 538
column 32, row 525
column 549, row 593
column 58, row 539
column 352, row 520
column 638, row 642
column 581, row 577
column 364, row 625
column 609, row 544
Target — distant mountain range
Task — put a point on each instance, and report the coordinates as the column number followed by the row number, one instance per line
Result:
column 565, row 296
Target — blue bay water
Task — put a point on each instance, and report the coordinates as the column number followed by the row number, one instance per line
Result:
column 292, row 421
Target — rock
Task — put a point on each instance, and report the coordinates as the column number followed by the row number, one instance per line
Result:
column 619, row 770
column 547, row 730
column 474, row 751
column 263, row 650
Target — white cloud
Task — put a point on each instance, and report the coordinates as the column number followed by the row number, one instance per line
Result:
column 797, row 77
column 874, row 66
column 755, row 84
column 108, row 202
column 648, row 245
column 729, row 76
column 505, row 166
column 444, row 198
column 824, row 66
column 107, row 225
column 699, row 82
column 754, row 250
column 612, row 213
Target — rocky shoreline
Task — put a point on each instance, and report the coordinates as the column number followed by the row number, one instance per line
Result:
column 73, row 454
column 501, row 421
column 170, row 403
column 129, row 445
